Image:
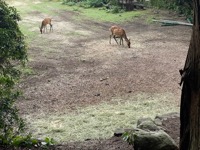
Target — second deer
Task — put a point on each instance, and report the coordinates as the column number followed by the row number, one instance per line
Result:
column 118, row 32
column 44, row 24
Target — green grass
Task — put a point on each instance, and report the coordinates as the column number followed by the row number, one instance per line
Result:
column 28, row 71
column 45, row 7
column 100, row 121
column 49, row 7
column 101, row 15
column 25, row 29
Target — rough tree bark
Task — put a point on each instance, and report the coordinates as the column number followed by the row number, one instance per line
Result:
column 190, row 98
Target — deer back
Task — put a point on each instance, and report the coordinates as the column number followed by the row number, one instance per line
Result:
column 46, row 21
column 119, row 32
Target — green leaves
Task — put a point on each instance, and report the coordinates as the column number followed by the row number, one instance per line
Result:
column 12, row 53
column 29, row 141
column 12, row 45
column 128, row 137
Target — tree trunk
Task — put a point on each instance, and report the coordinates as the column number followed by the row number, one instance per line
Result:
column 190, row 98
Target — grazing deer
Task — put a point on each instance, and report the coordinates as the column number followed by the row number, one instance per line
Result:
column 44, row 25
column 118, row 32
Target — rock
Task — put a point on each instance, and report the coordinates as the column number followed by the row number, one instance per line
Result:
column 147, row 124
column 169, row 115
column 158, row 122
column 140, row 120
column 98, row 94
column 158, row 140
column 118, row 132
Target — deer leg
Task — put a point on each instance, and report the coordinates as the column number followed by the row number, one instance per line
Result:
column 45, row 29
column 115, row 39
column 110, row 38
column 51, row 27
column 121, row 41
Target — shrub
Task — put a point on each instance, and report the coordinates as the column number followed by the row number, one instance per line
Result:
column 91, row 3
column 12, row 52
column 180, row 7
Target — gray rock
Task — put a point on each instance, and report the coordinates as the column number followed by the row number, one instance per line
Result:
column 158, row 121
column 119, row 132
column 141, row 120
column 158, row 140
column 169, row 115
column 147, row 124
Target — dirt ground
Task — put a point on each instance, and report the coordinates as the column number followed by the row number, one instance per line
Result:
column 76, row 66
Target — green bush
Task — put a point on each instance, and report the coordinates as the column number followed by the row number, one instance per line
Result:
column 115, row 9
column 92, row 3
column 12, row 52
column 95, row 3
column 174, row 5
column 70, row 3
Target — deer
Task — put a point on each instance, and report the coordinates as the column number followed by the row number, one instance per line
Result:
column 44, row 25
column 118, row 32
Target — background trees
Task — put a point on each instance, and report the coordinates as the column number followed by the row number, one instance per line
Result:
column 180, row 6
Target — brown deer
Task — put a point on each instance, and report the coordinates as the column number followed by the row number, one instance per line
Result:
column 118, row 32
column 44, row 25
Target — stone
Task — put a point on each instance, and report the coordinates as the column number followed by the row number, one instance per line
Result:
column 154, row 140
column 169, row 115
column 147, row 124
column 118, row 132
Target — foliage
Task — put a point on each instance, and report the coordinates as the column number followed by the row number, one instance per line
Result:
column 12, row 51
column 111, row 5
column 28, row 141
column 116, row 9
column 180, row 6
column 85, row 3
column 128, row 137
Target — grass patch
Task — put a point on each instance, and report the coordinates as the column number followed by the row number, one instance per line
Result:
column 28, row 71
column 94, row 122
column 101, row 15
column 45, row 7
column 49, row 7
column 30, row 35
column 74, row 33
